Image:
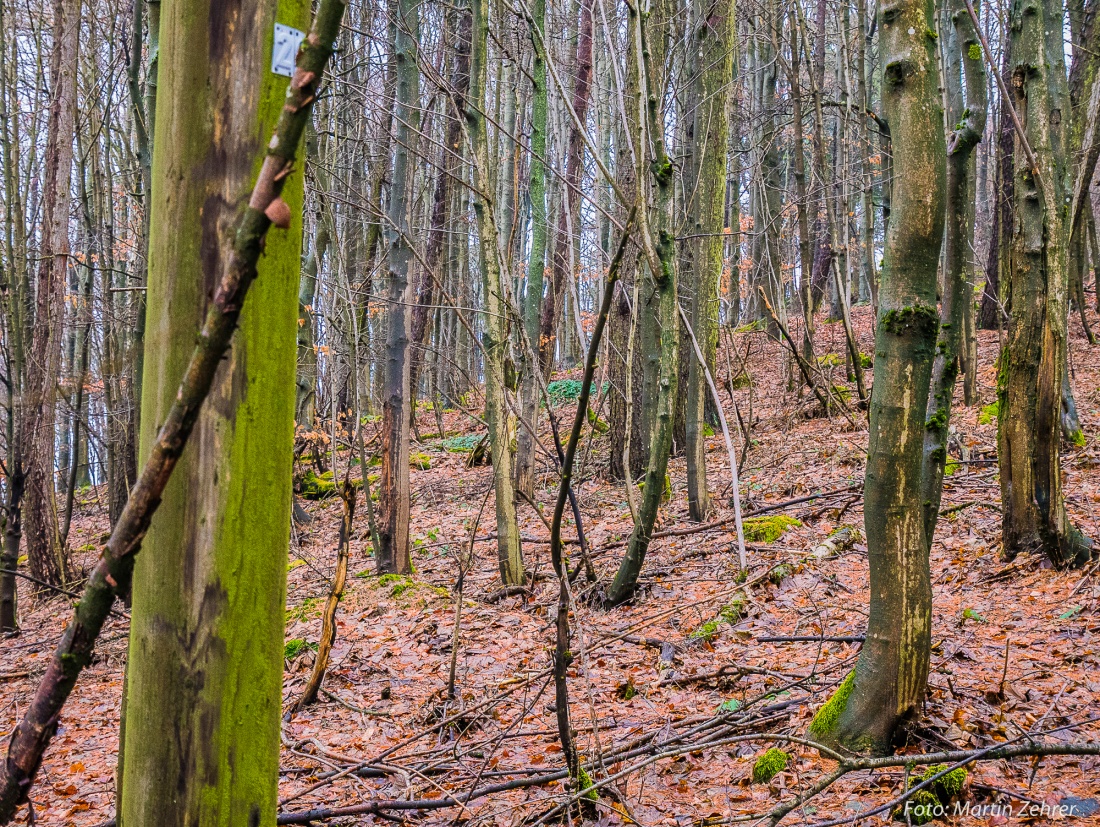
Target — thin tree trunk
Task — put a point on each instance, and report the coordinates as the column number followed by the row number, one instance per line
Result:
column 891, row 675
column 495, row 304
column 332, row 603
column 48, row 558
column 657, row 308
column 536, row 261
column 957, row 301
column 712, row 53
column 393, row 488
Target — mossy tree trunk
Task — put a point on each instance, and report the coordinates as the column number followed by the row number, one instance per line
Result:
column 496, row 307
column 891, row 675
column 203, row 687
column 397, row 404
column 962, row 53
column 1031, row 378
column 711, row 51
column 657, row 307
column 536, row 262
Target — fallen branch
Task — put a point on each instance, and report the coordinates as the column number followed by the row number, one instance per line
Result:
column 328, row 623
column 713, row 524
column 112, row 574
column 811, row 638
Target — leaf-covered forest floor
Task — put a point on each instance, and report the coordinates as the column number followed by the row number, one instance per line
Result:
column 1016, row 647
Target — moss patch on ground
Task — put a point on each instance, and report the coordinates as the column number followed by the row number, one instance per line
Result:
column 769, row 765
column 768, row 529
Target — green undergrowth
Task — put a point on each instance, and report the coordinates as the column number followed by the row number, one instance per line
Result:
column 989, row 413
column 399, row 584
column 568, row 390
column 295, row 647
column 768, row 529
column 312, row 486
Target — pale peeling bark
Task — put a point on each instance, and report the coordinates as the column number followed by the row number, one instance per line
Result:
column 201, row 737
column 891, row 676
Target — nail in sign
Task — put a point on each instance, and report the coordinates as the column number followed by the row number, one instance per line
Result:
column 287, row 41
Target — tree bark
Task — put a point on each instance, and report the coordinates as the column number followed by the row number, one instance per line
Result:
column 208, row 613
column 957, row 301
column 1033, row 364
column 658, row 317
column 891, row 675
column 712, row 49
column 536, row 261
column 496, row 306
column 397, row 406
column 48, row 558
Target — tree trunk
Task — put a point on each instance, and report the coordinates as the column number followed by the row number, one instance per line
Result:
column 658, row 316
column 990, row 311
column 49, row 560
column 397, row 406
column 1033, row 364
column 957, row 302
column 495, row 337
column 206, row 638
column 712, row 49
column 536, row 261
column 891, row 675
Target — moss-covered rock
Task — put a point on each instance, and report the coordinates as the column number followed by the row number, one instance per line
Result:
column 948, row 786
column 295, row 647
column 313, row 486
column 768, row 529
column 729, row 615
column 769, row 765
column 779, row 573
column 419, row 461
column 921, row 808
column 825, row 720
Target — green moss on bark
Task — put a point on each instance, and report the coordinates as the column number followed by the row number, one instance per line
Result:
column 917, row 319
column 825, row 720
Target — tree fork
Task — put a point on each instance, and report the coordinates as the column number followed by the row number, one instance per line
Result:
column 112, row 574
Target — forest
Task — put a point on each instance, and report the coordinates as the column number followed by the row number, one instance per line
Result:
column 522, row 412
